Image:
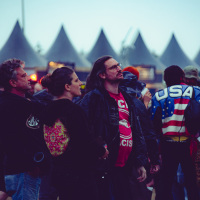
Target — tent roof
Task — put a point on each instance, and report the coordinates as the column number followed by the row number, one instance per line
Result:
column 174, row 55
column 62, row 50
column 102, row 47
column 139, row 54
column 197, row 58
column 18, row 47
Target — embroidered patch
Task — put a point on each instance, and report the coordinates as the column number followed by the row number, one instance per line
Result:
column 33, row 122
column 56, row 138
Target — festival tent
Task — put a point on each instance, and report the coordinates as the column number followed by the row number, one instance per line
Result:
column 174, row 55
column 101, row 47
column 149, row 67
column 138, row 54
column 62, row 50
column 197, row 58
column 18, row 47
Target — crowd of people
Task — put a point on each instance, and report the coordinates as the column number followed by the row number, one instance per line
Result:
column 114, row 142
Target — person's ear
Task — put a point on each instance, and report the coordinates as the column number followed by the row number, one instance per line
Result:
column 102, row 75
column 67, row 87
column 12, row 82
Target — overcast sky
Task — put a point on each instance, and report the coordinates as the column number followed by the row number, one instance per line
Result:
column 82, row 19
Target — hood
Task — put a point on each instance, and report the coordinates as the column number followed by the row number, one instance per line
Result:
column 57, row 109
column 130, row 81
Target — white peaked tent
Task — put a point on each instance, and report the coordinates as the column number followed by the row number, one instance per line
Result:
column 18, row 47
column 101, row 48
column 174, row 55
column 197, row 58
column 138, row 54
column 62, row 50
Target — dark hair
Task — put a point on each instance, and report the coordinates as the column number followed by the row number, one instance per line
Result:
column 93, row 80
column 8, row 72
column 173, row 75
column 44, row 81
column 56, row 82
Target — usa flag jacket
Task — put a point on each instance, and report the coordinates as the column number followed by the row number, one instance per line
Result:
column 168, row 106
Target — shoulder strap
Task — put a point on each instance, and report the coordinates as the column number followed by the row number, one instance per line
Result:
column 193, row 93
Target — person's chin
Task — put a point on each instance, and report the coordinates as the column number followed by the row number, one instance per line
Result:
column 79, row 94
column 120, row 78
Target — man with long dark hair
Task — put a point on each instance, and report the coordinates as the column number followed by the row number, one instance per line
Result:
column 114, row 122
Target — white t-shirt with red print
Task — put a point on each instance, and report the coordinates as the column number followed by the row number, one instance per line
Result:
column 124, row 129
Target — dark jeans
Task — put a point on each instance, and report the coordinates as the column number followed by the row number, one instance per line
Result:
column 119, row 184
column 47, row 189
column 113, row 185
column 139, row 190
column 174, row 153
column 72, row 186
column 178, row 188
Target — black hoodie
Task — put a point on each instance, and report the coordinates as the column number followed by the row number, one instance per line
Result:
column 79, row 155
column 20, row 136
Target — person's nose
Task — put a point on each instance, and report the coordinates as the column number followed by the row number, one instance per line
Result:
column 119, row 68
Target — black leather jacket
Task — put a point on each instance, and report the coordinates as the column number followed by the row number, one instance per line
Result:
column 133, row 87
column 102, row 111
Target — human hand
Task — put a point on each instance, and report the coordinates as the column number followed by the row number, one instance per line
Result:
column 154, row 169
column 150, row 184
column 3, row 195
column 105, row 154
column 147, row 98
column 142, row 174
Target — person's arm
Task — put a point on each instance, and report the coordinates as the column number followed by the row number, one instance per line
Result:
column 154, row 169
column 146, row 99
column 142, row 174
column 151, row 141
column 105, row 156
column 139, row 144
column 87, row 139
column 156, row 120
column 91, row 106
column 148, row 132
column 156, row 117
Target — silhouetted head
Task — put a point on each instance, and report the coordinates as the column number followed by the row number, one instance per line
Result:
column 173, row 75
